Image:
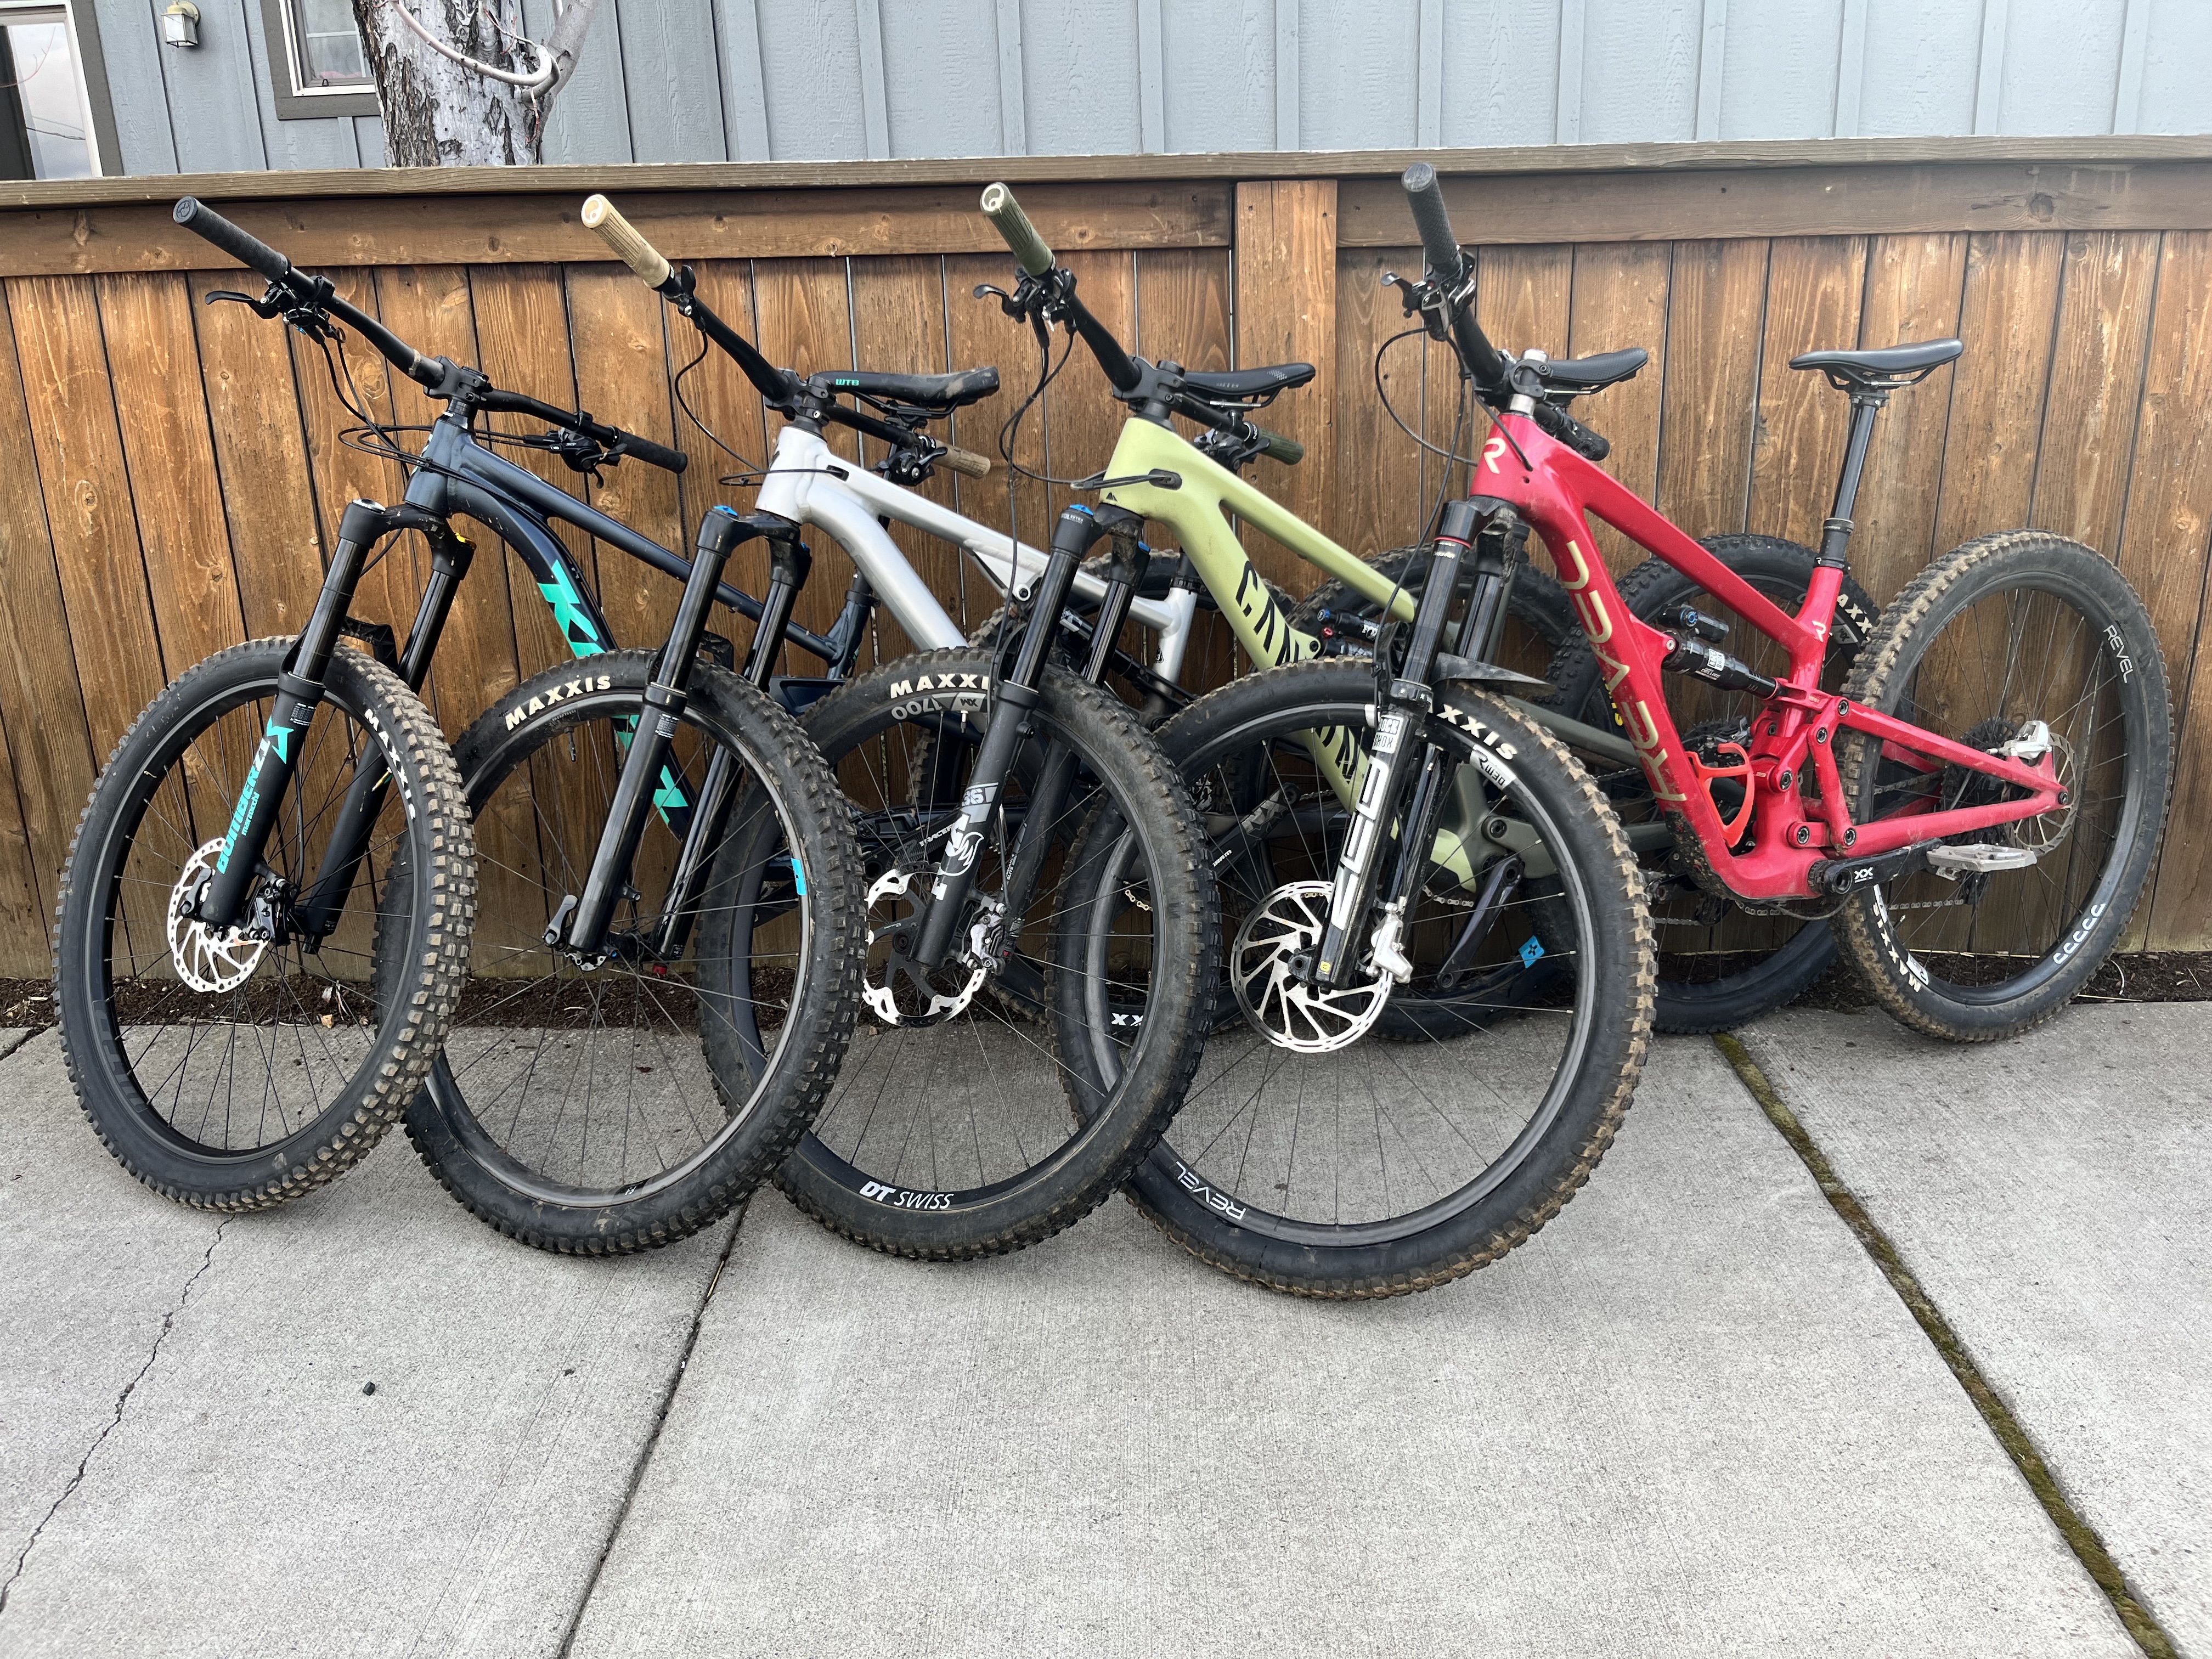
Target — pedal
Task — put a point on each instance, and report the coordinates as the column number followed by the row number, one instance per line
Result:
column 1978, row 859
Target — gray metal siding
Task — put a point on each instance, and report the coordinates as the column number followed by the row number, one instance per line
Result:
column 826, row 80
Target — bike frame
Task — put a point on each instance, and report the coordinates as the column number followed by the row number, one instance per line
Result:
column 1558, row 492
column 811, row 483
column 1194, row 511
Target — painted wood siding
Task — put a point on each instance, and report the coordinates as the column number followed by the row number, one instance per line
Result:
column 823, row 80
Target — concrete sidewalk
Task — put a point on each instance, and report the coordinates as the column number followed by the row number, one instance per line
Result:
column 1690, row 1417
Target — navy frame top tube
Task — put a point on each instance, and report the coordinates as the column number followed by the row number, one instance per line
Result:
column 516, row 502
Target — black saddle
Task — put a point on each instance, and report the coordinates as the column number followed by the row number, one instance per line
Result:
column 1583, row 374
column 920, row 391
column 1236, row 384
column 1882, row 369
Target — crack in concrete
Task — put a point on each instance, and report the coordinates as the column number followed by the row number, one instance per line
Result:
column 122, row 1400
column 652, row 1440
column 21, row 1037
column 2080, row 1537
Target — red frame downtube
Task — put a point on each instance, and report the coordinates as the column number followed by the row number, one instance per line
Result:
column 1558, row 492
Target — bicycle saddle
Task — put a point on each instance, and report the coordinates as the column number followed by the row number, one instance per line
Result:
column 1590, row 374
column 923, row 391
column 1888, row 366
column 1237, row 383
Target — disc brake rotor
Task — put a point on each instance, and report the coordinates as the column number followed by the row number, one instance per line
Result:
column 207, row 958
column 900, row 991
column 1307, row 1019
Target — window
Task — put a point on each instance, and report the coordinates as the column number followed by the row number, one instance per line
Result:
column 316, row 60
column 45, row 119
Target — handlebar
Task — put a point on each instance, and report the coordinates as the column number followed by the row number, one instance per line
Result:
column 966, row 462
column 255, row 254
column 651, row 265
column 1279, row 446
column 1036, row 260
column 1448, row 264
column 615, row 441
column 1590, row 446
column 1029, row 250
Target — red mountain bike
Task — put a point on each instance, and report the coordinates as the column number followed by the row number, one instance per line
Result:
column 1977, row 808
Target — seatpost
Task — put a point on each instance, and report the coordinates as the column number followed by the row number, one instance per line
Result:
column 1836, row 532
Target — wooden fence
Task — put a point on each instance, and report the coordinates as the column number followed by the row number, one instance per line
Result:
column 169, row 470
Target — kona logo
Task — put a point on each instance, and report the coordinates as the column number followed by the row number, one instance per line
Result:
column 1219, row 1203
column 562, row 692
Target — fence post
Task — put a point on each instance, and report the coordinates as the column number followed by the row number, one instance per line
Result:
column 1286, row 312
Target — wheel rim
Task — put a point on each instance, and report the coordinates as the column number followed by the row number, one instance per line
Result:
column 595, row 1087
column 234, row 1074
column 2037, row 648
column 1383, row 1141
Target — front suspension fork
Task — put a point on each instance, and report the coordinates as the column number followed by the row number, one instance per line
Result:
column 299, row 693
column 316, row 914
column 582, row 923
column 1013, row 700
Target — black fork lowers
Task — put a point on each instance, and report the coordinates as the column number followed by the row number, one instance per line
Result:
column 299, row 693
column 1012, row 699
column 581, row 924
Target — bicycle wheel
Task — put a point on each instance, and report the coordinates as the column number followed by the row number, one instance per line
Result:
column 1375, row 1169
column 1719, row 967
column 597, row 1108
column 954, row 1131
column 235, row 1071
column 2012, row 629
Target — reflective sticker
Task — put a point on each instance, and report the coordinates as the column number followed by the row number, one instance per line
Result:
column 1531, row 950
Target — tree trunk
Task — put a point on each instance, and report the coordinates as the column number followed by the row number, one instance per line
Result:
column 438, row 112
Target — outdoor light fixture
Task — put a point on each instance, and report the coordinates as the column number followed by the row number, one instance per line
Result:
column 180, row 24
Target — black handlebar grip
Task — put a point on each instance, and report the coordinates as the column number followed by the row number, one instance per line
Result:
column 1573, row 432
column 654, row 455
column 1029, row 250
column 204, row 221
column 1426, row 197
column 1280, row 446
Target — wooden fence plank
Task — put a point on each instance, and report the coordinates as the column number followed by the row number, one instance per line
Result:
column 261, row 457
column 427, row 306
column 898, row 325
column 1618, row 298
column 805, row 325
column 1383, row 484
column 1914, row 285
column 620, row 354
column 1814, row 287
column 2163, row 551
column 2096, row 387
column 1798, row 202
column 1711, row 397
column 1997, row 390
column 68, row 396
column 533, row 229
column 1286, row 312
column 979, row 333
column 23, row 952
column 1182, row 316
column 176, row 494
column 522, row 343
column 1081, row 418
column 39, row 697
